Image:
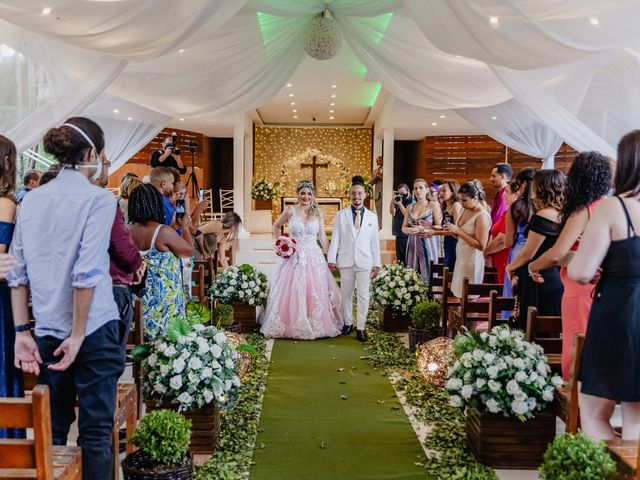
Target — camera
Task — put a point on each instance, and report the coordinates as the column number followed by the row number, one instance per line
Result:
column 397, row 197
column 174, row 143
column 193, row 146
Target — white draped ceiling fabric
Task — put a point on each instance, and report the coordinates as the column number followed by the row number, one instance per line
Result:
column 530, row 73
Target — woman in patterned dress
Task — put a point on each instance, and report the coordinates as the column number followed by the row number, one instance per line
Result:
column 163, row 297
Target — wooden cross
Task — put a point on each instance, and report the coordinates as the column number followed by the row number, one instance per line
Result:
column 314, row 165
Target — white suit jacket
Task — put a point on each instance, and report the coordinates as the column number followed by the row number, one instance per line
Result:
column 350, row 247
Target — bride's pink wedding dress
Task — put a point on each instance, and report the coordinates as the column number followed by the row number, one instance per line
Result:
column 304, row 301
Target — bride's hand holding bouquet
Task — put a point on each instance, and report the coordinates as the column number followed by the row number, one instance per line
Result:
column 285, row 246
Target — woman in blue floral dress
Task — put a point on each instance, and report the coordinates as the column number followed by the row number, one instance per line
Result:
column 163, row 297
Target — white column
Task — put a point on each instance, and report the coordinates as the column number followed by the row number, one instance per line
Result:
column 238, row 173
column 377, row 151
column 387, row 182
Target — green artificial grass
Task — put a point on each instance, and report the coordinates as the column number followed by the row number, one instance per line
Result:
column 328, row 414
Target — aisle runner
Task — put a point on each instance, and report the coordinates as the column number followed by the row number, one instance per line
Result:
column 328, row 415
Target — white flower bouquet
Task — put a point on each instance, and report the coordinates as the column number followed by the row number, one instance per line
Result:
column 191, row 366
column 500, row 372
column 240, row 283
column 398, row 287
column 263, row 189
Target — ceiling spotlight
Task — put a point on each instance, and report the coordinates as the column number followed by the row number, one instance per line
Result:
column 115, row 110
column 333, row 95
column 594, row 21
column 295, row 116
column 443, row 116
column 289, row 85
column 181, row 51
column 182, row 119
column 332, row 104
column 292, row 103
column 334, row 86
column 291, row 94
column 434, row 124
column 493, row 20
column 330, row 111
column 294, row 110
column 494, row 117
column 46, row 11
column 330, row 118
column 129, row 118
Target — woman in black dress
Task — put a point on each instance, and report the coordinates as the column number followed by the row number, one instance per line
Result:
column 610, row 365
column 544, row 228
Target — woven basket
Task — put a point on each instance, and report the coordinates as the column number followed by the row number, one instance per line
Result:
column 418, row 336
column 138, row 466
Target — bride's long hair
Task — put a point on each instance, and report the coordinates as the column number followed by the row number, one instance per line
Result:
column 314, row 208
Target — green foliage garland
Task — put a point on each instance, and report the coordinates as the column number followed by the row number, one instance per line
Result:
column 232, row 459
column 447, row 438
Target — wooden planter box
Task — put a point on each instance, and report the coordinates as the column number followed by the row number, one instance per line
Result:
column 262, row 204
column 205, row 427
column 393, row 321
column 502, row 442
column 245, row 315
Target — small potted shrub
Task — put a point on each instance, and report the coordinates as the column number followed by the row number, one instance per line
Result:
column 425, row 323
column 397, row 289
column 223, row 318
column 163, row 439
column 576, row 457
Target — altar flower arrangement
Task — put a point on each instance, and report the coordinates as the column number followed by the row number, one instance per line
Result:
column 191, row 366
column 398, row 287
column 285, row 246
column 240, row 283
column 500, row 372
column 263, row 189
column 330, row 187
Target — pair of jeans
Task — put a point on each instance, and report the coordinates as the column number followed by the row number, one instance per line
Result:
column 92, row 379
column 124, row 302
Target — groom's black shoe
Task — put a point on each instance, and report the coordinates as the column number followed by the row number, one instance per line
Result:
column 347, row 329
column 361, row 335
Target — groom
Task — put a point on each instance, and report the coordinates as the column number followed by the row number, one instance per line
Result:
column 355, row 251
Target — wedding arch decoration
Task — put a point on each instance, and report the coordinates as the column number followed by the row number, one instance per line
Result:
column 306, row 156
column 323, row 38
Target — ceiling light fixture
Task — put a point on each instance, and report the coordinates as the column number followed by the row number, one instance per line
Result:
column 181, row 51
column 494, row 117
column 594, row 21
column 443, row 116
column 46, row 11
column 333, row 95
column 292, row 103
column 493, row 20
column 289, row 85
column 434, row 124
column 291, row 94
column 334, row 86
column 331, row 111
column 333, row 104
column 330, row 118
column 116, row 111
column 182, row 119
column 295, row 116
column 129, row 118
column 294, row 110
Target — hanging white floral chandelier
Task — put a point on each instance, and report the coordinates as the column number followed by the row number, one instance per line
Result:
column 323, row 38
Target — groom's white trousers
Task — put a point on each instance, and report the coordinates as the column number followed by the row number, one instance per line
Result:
column 350, row 279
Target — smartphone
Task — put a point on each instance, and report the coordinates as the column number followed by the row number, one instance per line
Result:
column 183, row 193
column 180, row 208
column 201, row 195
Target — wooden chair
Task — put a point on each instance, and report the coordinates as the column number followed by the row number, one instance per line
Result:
column 226, row 201
column 436, row 274
column 448, row 300
column 126, row 412
column 497, row 305
column 546, row 331
column 490, row 276
column 136, row 337
column 209, row 215
column 626, row 454
column 38, row 458
column 198, row 286
column 566, row 401
column 474, row 304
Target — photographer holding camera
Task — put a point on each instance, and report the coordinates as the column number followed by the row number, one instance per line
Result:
column 169, row 156
column 400, row 199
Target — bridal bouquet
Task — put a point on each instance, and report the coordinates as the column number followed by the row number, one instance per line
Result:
column 285, row 246
column 500, row 372
column 190, row 365
column 240, row 283
column 398, row 287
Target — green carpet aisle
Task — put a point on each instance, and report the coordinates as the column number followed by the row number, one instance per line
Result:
column 328, row 415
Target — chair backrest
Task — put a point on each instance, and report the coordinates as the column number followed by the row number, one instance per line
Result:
column 545, row 331
column 573, row 412
column 447, row 276
column 136, row 337
column 435, row 277
column 197, row 282
column 33, row 411
column 490, row 277
column 208, row 196
column 226, row 201
column 497, row 305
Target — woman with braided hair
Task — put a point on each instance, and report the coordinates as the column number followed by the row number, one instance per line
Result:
column 304, row 301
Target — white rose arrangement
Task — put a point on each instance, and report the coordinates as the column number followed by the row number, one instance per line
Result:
column 240, row 283
column 263, row 189
column 191, row 366
column 500, row 372
column 398, row 287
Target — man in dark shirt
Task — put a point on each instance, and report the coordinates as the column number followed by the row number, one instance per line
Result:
column 400, row 199
column 167, row 158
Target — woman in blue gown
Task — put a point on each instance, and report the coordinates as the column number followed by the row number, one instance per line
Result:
column 10, row 377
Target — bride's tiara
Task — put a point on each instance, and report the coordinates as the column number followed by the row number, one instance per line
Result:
column 305, row 184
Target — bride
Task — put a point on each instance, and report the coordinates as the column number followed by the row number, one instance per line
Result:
column 304, row 302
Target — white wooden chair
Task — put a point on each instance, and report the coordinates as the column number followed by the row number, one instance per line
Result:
column 226, row 201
